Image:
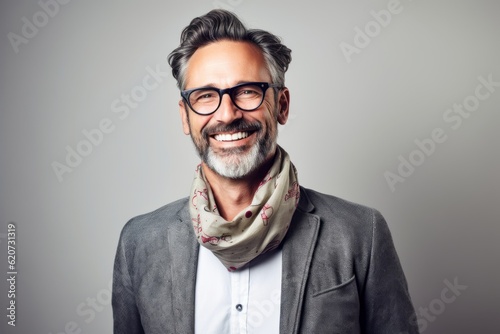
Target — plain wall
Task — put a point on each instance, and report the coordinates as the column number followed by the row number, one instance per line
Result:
column 355, row 116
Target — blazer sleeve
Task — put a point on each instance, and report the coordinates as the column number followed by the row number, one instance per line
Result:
column 387, row 306
column 126, row 317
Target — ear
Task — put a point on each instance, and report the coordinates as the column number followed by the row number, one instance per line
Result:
column 283, row 105
column 184, row 117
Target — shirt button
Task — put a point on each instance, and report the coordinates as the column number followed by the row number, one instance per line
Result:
column 239, row 307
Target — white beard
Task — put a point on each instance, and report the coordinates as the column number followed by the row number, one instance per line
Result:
column 236, row 165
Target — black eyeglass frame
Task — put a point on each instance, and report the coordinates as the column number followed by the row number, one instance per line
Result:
column 264, row 86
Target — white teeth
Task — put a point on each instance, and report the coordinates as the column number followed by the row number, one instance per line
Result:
column 230, row 137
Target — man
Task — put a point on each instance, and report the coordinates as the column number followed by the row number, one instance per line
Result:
column 275, row 257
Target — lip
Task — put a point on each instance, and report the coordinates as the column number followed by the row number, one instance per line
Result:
column 237, row 133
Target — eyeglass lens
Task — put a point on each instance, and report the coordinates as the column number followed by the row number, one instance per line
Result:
column 207, row 100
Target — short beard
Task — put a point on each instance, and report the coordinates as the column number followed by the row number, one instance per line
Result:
column 233, row 163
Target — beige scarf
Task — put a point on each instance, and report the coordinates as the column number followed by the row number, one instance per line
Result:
column 257, row 229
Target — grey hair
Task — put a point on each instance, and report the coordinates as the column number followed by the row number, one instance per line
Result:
column 219, row 24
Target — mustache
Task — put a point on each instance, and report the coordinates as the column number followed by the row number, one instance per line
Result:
column 238, row 125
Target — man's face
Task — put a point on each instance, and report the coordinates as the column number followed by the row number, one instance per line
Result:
column 233, row 142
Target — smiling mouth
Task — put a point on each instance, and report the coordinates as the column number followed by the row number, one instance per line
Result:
column 231, row 137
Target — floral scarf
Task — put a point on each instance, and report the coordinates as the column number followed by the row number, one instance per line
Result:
column 257, row 229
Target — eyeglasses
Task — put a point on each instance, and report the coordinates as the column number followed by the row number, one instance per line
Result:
column 246, row 96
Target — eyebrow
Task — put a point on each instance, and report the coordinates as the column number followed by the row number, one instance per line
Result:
column 212, row 85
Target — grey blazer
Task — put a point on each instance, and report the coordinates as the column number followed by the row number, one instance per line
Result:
column 341, row 273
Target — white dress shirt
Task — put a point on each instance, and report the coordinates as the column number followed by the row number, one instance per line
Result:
column 246, row 301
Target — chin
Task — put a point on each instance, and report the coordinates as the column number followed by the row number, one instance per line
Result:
column 236, row 164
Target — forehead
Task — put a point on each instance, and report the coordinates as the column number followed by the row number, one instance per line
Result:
column 226, row 63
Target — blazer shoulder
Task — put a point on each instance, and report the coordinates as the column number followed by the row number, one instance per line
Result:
column 332, row 207
column 356, row 222
column 154, row 222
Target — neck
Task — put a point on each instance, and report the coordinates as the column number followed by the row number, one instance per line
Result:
column 233, row 195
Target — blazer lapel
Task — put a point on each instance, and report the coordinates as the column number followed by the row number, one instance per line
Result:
column 298, row 248
column 183, row 250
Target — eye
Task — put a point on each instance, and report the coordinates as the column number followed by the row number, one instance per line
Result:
column 248, row 92
column 206, row 96
column 203, row 96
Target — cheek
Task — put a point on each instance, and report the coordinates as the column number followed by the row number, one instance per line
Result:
column 266, row 117
column 269, row 111
column 272, row 116
column 197, row 123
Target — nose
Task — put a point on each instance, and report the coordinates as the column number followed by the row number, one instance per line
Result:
column 228, row 111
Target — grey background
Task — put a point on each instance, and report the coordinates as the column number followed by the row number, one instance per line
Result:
column 350, row 121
